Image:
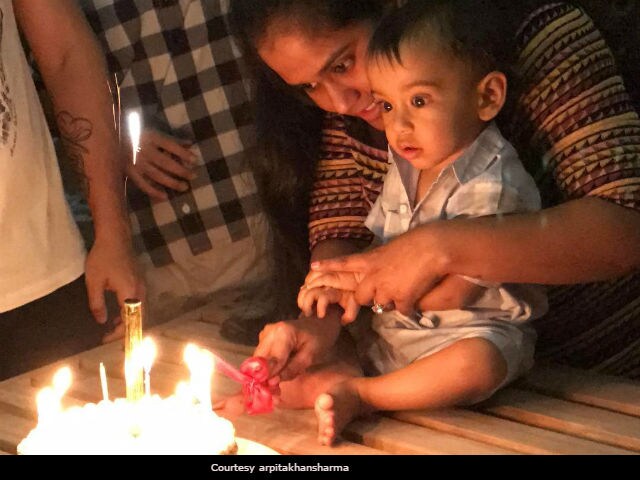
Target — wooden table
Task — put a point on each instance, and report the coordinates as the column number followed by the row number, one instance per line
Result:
column 554, row 410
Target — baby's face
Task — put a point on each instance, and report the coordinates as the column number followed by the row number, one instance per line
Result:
column 429, row 105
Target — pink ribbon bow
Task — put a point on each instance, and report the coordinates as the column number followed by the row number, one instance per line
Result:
column 254, row 376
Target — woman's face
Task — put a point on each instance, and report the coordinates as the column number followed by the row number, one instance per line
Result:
column 329, row 66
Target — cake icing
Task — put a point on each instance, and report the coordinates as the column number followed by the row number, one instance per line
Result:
column 151, row 426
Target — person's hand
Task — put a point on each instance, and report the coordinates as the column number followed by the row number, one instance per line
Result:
column 409, row 272
column 111, row 266
column 293, row 346
column 322, row 297
column 316, row 291
column 161, row 162
column 116, row 333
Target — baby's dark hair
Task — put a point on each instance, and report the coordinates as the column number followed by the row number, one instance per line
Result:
column 466, row 29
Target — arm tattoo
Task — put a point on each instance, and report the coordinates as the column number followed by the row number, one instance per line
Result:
column 74, row 131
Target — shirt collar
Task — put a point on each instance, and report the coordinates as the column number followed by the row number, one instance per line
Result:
column 482, row 152
column 473, row 161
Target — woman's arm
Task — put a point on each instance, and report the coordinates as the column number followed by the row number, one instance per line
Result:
column 581, row 241
column 73, row 70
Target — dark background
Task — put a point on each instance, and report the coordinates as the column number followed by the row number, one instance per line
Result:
column 619, row 21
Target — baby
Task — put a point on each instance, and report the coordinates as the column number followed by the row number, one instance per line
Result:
column 432, row 69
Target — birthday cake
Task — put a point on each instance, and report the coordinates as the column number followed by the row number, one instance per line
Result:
column 146, row 424
column 152, row 426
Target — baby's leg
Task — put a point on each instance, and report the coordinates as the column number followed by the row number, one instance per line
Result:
column 341, row 365
column 464, row 373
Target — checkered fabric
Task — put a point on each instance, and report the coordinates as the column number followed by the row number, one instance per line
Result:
column 176, row 62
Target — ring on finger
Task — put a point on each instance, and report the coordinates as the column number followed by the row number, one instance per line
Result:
column 377, row 308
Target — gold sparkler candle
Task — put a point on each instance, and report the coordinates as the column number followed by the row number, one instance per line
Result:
column 133, row 365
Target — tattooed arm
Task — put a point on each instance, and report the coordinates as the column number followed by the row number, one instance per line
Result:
column 72, row 66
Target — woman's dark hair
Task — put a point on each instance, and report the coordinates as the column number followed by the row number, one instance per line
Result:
column 289, row 133
column 289, row 128
column 252, row 18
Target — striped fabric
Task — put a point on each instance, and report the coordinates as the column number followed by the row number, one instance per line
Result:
column 577, row 133
column 582, row 137
column 349, row 176
column 574, row 117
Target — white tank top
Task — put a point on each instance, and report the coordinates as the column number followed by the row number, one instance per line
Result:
column 41, row 248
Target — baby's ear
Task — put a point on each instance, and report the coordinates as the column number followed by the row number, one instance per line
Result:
column 492, row 93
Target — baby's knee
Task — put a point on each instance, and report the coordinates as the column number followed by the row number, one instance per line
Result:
column 484, row 368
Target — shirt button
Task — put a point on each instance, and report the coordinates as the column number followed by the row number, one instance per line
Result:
column 403, row 209
column 186, row 209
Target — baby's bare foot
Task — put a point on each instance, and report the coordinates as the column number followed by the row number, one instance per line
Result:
column 335, row 409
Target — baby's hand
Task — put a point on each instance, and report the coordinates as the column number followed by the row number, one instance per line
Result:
column 322, row 297
column 339, row 280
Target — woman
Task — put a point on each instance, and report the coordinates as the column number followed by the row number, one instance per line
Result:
column 577, row 130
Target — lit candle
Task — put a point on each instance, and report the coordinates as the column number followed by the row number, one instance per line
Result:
column 62, row 382
column 191, row 359
column 183, row 393
column 135, row 128
column 134, row 375
column 208, row 366
column 147, row 354
column 48, row 405
column 201, row 365
column 49, row 399
column 103, row 383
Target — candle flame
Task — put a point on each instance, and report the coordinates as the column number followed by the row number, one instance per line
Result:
column 135, row 129
column 148, row 352
column 48, row 400
column 48, row 404
column 183, row 392
column 201, row 365
column 62, row 381
column 191, row 355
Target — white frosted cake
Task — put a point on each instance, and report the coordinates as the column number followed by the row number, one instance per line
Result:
column 151, row 426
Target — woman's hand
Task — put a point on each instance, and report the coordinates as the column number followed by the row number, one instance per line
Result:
column 409, row 271
column 161, row 161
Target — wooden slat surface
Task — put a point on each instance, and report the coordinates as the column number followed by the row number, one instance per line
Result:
column 290, row 437
column 613, row 393
column 12, row 430
column 523, row 435
column 554, row 410
column 403, row 438
column 505, row 433
column 204, row 334
column 572, row 418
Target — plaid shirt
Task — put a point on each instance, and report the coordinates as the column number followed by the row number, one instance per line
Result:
column 487, row 179
column 176, row 62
